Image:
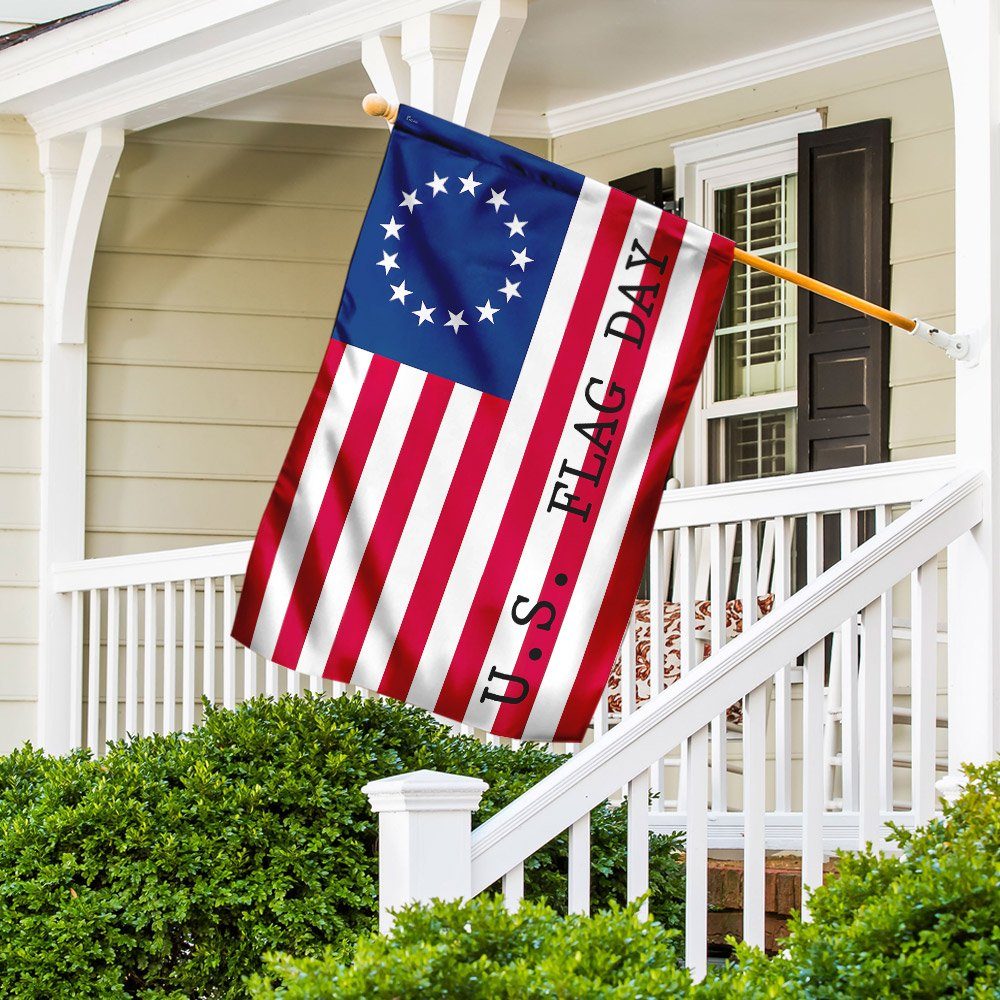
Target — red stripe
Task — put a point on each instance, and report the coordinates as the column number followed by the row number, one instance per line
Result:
column 275, row 517
column 388, row 527
column 612, row 619
column 531, row 478
column 442, row 550
column 351, row 458
column 575, row 535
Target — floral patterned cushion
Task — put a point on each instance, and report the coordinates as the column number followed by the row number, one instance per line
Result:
column 672, row 648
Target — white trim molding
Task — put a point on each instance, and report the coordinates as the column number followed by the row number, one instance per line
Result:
column 745, row 72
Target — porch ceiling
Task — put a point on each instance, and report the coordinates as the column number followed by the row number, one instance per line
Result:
column 578, row 63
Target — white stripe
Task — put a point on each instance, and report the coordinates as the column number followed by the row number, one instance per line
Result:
column 309, row 495
column 416, row 537
column 546, row 525
column 579, row 618
column 365, row 505
column 493, row 496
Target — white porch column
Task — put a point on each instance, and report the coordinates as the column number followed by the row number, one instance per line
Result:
column 425, row 838
column 971, row 33
column 78, row 173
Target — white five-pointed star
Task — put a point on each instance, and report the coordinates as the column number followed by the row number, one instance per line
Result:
column 388, row 261
column 423, row 314
column 487, row 312
column 469, row 184
column 392, row 228
column 455, row 320
column 521, row 259
column 510, row 289
column 516, row 226
column 410, row 200
column 400, row 292
column 437, row 185
column 497, row 199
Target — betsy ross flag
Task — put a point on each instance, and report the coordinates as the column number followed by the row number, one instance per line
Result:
column 463, row 516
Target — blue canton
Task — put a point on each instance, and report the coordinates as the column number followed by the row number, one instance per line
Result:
column 456, row 254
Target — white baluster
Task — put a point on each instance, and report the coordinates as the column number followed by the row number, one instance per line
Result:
column 578, row 877
column 111, row 690
column 782, row 679
column 628, row 667
column 637, row 841
column 754, row 760
column 849, row 679
column 812, row 734
column 696, row 856
column 187, row 657
column 869, row 753
column 886, row 690
column 513, row 887
column 718, row 596
column 271, row 679
column 228, row 643
column 315, row 683
column 131, row 662
column 656, row 646
column 208, row 640
column 169, row 657
column 923, row 681
column 76, row 670
column 685, row 587
column 293, row 681
column 249, row 673
column 94, row 672
column 149, row 662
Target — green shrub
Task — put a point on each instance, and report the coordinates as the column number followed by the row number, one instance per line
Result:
column 479, row 951
column 923, row 924
column 168, row 867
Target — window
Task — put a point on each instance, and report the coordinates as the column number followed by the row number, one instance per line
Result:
column 743, row 184
column 754, row 351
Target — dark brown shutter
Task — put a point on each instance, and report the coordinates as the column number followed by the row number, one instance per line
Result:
column 646, row 185
column 843, row 362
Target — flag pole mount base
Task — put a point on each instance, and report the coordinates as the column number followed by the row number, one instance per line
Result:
column 954, row 345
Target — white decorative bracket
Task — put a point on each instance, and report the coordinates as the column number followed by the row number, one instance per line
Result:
column 102, row 148
column 954, row 345
column 452, row 65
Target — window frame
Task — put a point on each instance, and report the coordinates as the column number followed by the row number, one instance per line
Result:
column 702, row 166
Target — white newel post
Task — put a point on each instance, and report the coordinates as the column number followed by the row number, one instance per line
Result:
column 425, row 838
column 971, row 33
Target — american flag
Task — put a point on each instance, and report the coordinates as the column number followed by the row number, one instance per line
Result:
column 462, row 518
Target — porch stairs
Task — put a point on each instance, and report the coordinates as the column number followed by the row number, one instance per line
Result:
column 682, row 715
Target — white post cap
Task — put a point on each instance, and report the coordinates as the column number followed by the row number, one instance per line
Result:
column 425, row 791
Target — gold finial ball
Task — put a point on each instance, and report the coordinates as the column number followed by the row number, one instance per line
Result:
column 376, row 106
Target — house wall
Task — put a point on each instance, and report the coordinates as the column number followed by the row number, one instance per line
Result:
column 908, row 84
column 21, row 221
column 219, row 268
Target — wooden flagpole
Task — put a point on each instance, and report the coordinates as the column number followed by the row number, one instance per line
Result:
column 956, row 347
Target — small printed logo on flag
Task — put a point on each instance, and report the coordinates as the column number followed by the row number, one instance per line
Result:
column 464, row 513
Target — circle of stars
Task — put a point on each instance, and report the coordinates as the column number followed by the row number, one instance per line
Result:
column 432, row 314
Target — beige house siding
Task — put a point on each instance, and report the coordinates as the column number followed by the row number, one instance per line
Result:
column 21, row 222
column 219, row 268
column 908, row 84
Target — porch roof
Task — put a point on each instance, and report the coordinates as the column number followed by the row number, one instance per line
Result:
column 33, row 30
column 143, row 62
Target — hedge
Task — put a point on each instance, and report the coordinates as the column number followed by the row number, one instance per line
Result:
column 171, row 865
column 922, row 924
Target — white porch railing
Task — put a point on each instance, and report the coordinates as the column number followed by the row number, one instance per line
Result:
column 858, row 584
column 150, row 632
